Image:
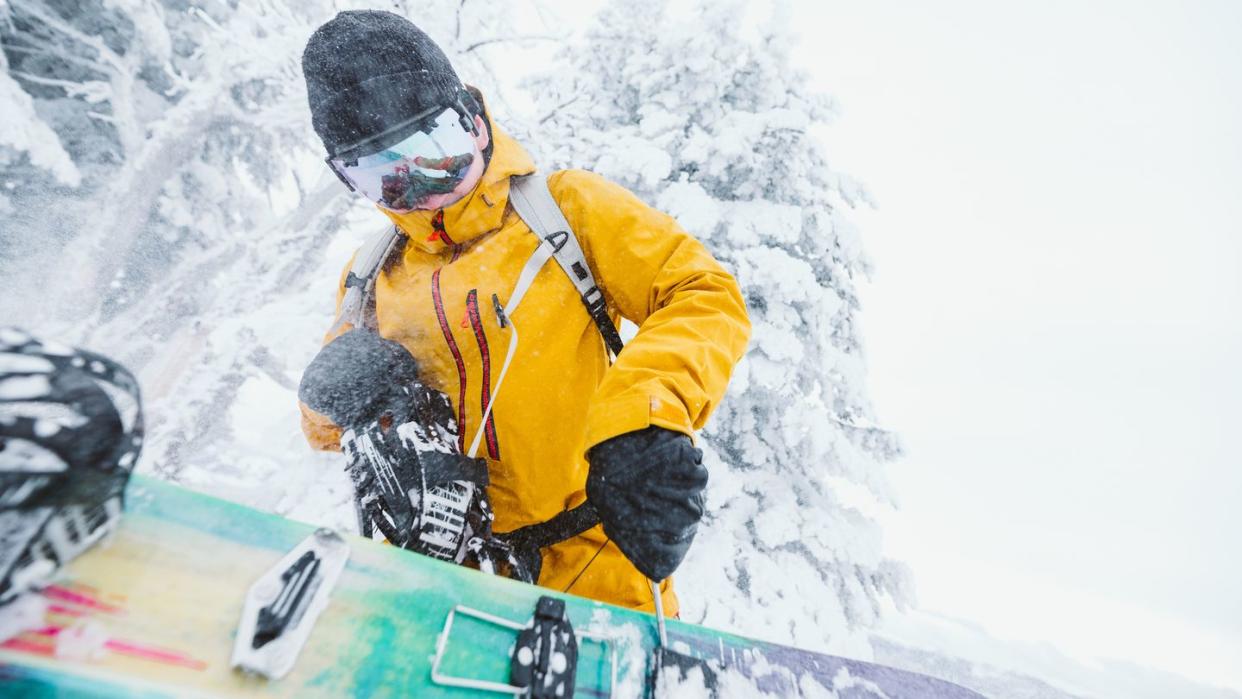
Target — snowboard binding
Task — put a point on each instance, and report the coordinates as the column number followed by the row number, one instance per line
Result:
column 544, row 661
column 70, row 433
column 545, row 658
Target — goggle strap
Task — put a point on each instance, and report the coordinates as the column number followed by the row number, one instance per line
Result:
column 468, row 113
column 467, row 122
column 339, row 175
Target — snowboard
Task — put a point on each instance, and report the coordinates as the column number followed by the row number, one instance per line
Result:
column 154, row 610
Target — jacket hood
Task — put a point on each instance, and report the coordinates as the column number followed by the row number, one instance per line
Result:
column 478, row 213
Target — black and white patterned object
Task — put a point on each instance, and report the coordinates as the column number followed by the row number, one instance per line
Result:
column 71, row 431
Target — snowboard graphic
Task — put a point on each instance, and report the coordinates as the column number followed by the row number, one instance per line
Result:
column 154, row 612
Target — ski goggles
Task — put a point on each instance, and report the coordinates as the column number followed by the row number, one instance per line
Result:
column 433, row 160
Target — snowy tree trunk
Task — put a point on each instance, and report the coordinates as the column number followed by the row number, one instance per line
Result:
column 102, row 247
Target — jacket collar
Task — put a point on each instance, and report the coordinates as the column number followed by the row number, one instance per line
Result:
column 478, row 213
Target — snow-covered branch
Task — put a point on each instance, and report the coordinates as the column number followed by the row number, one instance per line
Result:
column 61, row 56
column 508, row 39
column 58, row 25
column 93, row 91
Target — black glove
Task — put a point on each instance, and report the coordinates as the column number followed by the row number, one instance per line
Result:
column 648, row 489
column 358, row 377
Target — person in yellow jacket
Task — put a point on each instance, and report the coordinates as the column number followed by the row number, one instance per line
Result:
column 401, row 129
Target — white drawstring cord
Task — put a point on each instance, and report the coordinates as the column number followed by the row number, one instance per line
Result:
column 542, row 253
column 504, row 369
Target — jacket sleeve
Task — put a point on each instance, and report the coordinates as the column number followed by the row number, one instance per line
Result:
column 322, row 433
column 692, row 321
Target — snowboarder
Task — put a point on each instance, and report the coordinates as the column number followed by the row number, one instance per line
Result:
column 401, row 129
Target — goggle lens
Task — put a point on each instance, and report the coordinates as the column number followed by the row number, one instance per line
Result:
column 433, row 160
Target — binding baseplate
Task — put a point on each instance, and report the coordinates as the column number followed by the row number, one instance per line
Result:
column 545, row 654
column 283, row 604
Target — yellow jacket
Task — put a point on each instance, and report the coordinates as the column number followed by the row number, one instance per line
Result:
column 560, row 396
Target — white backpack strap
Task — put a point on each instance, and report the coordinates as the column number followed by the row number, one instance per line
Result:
column 358, row 304
column 533, row 201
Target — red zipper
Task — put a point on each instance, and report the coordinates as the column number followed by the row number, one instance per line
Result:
column 439, row 233
column 461, row 365
column 437, row 225
column 489, row 428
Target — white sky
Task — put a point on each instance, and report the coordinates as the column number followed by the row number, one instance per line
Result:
column 1054, row 324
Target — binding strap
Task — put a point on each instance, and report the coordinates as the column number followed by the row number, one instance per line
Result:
column 533, row 201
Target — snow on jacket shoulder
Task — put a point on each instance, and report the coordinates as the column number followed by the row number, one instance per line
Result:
column 560, row 396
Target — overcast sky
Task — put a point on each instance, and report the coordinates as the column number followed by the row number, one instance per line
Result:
column 1054, row 326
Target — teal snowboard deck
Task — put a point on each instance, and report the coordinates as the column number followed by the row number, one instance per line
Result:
column 153, row 612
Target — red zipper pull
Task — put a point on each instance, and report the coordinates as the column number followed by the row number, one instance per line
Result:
column 437, row 227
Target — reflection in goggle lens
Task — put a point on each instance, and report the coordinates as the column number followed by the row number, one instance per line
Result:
column 431, row 161
column 406, row 187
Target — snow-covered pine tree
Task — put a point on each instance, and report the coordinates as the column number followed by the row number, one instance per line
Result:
column 696, row 107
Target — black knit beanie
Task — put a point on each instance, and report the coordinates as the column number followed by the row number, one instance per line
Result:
column 367, row 71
